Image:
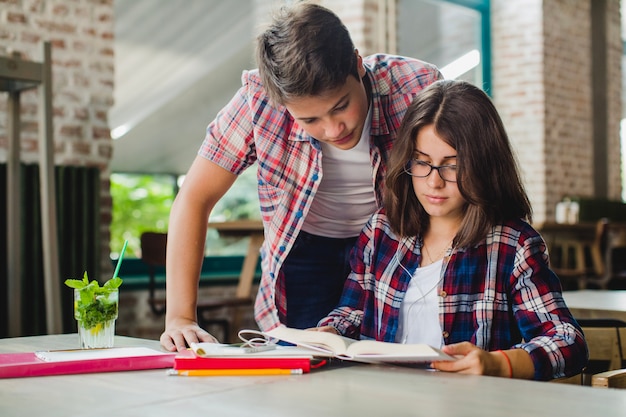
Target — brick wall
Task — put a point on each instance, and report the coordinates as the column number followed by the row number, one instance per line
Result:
column 568, row 122
column 542, row 71
column 615, row 52
column 81, row 36
column 367, row 29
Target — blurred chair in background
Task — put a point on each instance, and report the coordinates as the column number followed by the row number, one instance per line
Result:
column 153, row 254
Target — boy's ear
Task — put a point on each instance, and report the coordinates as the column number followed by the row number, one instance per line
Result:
column 359, row 64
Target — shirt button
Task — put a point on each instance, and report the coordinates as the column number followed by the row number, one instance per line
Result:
column 443, row 294
column 445, row 334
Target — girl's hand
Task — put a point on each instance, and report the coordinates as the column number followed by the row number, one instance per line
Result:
column 473, row 360
column 327, row 329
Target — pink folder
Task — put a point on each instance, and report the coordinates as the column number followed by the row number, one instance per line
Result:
column 15, row 365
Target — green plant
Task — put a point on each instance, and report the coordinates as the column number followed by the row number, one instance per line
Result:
column 140, row 203
column 94, row 305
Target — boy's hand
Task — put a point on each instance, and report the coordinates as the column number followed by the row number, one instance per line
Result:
column 178, row 335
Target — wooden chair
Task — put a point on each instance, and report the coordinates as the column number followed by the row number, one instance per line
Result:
column 612, row 239
column 606, row 353
column 153, row 253
column 606, row 350
column 585, row 261
column 153, row 250
column 609, row 379
column 579, row 259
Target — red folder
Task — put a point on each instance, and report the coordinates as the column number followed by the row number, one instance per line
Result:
column 15, row 365
column 186, row 362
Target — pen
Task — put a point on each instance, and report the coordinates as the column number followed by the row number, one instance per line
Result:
column 233, row 372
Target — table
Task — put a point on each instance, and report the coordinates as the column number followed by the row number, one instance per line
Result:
column 606, row 304
column 357, row 390
column 601, row 304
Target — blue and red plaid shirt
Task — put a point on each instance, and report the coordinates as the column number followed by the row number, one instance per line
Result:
column 249, row 129
column 500, row 294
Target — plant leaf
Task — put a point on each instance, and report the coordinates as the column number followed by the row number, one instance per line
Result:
column 75, row 283
column 113, row 283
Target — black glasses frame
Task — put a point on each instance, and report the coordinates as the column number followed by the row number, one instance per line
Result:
column 411, row 162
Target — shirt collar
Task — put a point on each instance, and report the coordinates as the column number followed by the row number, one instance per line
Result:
column 379, row 96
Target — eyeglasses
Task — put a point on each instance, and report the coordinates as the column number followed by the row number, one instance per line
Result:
column 421, row 169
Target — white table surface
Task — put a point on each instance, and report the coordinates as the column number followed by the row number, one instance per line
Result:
column 596, row 303
column 357, row 390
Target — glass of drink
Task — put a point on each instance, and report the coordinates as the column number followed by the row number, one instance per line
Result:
column 95, row 310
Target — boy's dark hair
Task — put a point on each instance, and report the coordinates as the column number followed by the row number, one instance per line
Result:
column 487, row 173
column 307, row 51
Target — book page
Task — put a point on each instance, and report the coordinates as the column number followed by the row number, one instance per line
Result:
column 328, row 343
column 386, row 351
column 361, row 350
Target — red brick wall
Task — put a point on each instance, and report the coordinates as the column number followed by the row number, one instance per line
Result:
column 615, row 52
column 542, row 87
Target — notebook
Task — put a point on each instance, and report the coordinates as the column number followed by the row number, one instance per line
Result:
column 64, row 362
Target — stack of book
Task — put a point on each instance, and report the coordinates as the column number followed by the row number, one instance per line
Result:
column 226, row 360
column 270, row 358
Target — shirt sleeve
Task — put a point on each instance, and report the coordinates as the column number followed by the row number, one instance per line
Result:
column 229, row 140
column 551, row 336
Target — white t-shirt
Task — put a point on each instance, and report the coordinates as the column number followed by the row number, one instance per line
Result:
column 345, row 199
column 419, row 311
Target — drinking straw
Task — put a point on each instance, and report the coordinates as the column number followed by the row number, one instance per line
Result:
column 119, row 260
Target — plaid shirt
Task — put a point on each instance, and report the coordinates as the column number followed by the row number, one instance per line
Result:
column 250, row 130
column 499, row 294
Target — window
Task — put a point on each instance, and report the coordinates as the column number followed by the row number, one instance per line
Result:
column 240, row 202
column 454, row 35
column 142, row 202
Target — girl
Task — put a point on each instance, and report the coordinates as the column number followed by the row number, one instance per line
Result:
column 451, row 260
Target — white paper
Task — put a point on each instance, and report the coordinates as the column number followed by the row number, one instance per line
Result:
column 88, row 354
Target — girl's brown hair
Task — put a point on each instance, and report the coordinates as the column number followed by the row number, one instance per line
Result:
column 487, row 173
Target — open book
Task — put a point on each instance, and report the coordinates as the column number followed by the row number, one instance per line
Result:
column 370, row 351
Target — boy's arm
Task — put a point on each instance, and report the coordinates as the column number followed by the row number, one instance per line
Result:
column 204, row 185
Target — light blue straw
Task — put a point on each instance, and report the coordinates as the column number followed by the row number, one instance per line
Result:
column 119, row 260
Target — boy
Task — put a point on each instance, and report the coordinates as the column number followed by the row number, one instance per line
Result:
column 319, row 120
